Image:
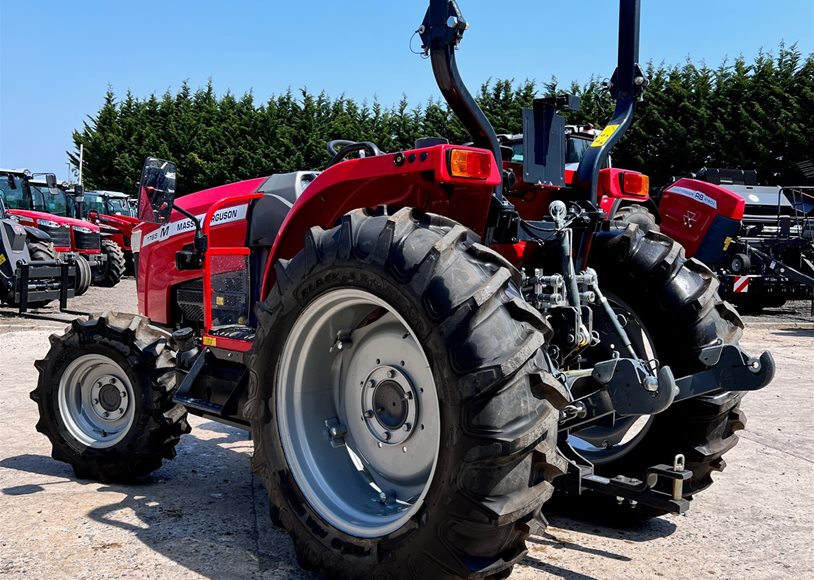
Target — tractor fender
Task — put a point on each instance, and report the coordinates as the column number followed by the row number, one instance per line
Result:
column 385, row 180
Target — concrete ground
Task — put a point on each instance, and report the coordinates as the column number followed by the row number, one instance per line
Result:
column 205, row 515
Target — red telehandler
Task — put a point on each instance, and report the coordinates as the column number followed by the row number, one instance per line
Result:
column 419, row 364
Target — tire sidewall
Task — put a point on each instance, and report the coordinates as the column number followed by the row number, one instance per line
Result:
column 317, row 284
column 143, row 397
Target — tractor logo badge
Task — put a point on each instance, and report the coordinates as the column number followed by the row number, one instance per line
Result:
column 690, row 218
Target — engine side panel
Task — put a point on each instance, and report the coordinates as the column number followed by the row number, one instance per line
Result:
column 157, row 272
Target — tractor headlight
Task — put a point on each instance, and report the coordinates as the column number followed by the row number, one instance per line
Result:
column 48, row 224
column 82, row 230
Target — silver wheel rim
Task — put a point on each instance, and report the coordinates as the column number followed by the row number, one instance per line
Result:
column 602, row 445
column 357, row 412
column 96, row 401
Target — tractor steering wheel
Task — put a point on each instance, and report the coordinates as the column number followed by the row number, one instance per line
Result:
column 339, row 149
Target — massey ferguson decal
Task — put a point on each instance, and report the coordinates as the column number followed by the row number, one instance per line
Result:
column 223, row 216
column 696, row 195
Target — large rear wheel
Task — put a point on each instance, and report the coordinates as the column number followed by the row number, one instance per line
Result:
column 404, row 418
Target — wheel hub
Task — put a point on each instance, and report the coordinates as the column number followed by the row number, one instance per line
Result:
column 389, row 405
column 96, row 401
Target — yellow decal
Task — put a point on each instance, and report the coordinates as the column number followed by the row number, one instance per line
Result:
column 210, row 341
column 603, row 137
column 727, row 241
column 219, row 300
column 2, row 259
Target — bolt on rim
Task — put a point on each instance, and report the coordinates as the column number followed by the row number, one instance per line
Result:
column 96, row 401
column 360, row 424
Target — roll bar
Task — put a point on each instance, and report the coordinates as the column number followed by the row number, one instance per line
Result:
column 441, row 33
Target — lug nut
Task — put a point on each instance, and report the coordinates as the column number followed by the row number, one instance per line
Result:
column 407, row 426
column 371, row 383
column 391, row 374
column 95, row 401
column 107, row 414
column 369, row 414
column 123, row 394
column 387, row 435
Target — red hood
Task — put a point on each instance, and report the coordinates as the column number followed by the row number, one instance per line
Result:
column 123, row 223
column 65, row 221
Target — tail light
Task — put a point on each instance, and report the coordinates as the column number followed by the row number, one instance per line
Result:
column 470, row 164
column 636, row 184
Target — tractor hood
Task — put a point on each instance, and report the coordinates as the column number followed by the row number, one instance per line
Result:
column 32, row 216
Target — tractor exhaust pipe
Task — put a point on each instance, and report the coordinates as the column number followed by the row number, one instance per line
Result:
column 441, row 32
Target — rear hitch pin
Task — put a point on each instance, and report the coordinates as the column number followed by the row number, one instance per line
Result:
column 678, row 484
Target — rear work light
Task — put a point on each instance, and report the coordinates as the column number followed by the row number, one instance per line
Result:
column 470, row 164
column 636, row 184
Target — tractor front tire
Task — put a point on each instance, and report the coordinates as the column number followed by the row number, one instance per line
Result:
column 404, row 417
column 111, row 271
column 41, row 251
column 84, row 275
column 105, row 398
column 677, row 302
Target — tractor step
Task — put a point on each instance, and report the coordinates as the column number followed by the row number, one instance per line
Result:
column 215, row 387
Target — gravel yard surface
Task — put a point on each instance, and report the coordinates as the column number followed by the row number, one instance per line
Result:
column 205, row 515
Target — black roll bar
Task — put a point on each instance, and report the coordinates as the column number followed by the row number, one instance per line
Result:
column 627, row 85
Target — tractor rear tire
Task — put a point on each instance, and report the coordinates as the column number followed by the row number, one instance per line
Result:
column 40, row 251
column 84, row 275
column 105, row 398
column 636, row 214
column 677, row 301
column 111, row 271
column 444, row 316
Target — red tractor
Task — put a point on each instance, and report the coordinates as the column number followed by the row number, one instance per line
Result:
column 419, row 362
column 34, row 206
column 92, row 241
column 111, row 211
column 31, row 276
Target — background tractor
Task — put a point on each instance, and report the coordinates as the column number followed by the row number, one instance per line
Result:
column 111, row 211
column 31, row 276
column 91, row 240
column 758, row 239
column 422, row 343
column 43, row 208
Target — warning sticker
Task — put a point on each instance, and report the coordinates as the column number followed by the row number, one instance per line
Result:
column 603, row 137
column 2, row 259
column 741, row 284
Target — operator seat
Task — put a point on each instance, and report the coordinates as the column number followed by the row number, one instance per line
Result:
column 280, row 191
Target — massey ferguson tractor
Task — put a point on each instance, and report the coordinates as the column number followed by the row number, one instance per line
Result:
column 758, row 239
column 35, row 206
column 111, row 211
column 31, row 275
column 419, row 362
column 94, row 241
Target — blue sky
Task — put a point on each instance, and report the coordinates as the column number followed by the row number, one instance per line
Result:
column 57, row 58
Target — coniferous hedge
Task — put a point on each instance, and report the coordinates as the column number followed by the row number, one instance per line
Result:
column 757, row 115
